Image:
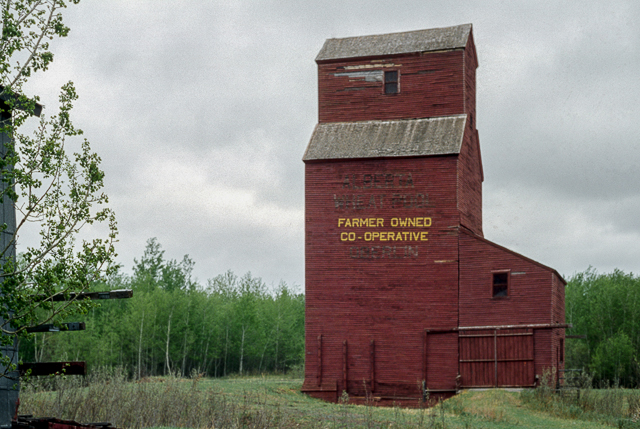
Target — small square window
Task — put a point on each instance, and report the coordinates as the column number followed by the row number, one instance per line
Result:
column 500, row 286
column 391, row 82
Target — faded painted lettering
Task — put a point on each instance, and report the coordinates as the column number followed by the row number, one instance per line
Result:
column 383, row 252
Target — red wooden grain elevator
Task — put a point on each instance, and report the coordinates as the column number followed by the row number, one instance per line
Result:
column 403, row 293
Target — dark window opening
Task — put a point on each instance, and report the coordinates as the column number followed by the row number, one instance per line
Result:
column 391, row 82
column 500, row 284
column 561, row 350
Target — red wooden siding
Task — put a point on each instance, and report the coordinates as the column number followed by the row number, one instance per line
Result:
column 470, row 66
column 531, row 292
column 391, row 308
column 383, row 291
column 529, row 300
column 431, row 84
column 470, row 182
column 544, row 343
column 470, row 175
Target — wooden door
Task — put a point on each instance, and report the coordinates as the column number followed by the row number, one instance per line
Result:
column 496, row 358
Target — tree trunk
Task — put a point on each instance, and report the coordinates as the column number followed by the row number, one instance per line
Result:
column 226, row 348
column 154, row 349
column 39, row 359
column 140, row 347
column 206, row 348
column 184, row 344
column 168, row 366
column 275, row 365
column 266, row 344
column 242, row 349
column 203, row 369
column 35, row 347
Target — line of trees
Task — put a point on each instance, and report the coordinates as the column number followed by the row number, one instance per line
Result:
column 237, row 325
column 175, row 325
column 605, row 309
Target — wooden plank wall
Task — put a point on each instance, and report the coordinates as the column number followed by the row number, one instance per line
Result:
column 383, row 291
column 431, row 84
column 533, row 288
column 470, row 182
column 470, row 66
column 529, row 300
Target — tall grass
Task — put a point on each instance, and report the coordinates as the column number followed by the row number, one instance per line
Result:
column 610, row 405
column 270, row 402
column 108, row 396
column 171, row 401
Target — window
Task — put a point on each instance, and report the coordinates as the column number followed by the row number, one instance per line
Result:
column 500, row 284
column 391, row 82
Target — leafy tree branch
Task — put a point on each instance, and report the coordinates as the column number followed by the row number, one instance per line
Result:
column 48, row 187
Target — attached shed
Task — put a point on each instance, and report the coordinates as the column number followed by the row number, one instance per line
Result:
column 403, row 292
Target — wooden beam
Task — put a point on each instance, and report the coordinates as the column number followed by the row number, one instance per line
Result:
column 52, row 368
column 113, row 294
column 50, row 327
column 372, row 359
column 345, row 367
column 319, row 369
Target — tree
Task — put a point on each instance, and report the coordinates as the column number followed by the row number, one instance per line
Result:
column 614, row 360
column 47, row 187
column 605, row 310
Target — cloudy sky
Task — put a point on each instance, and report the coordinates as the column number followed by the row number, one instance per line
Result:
column 201, row 111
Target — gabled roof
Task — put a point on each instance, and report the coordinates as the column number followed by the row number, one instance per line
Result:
column 374, row 139
column 433, row 39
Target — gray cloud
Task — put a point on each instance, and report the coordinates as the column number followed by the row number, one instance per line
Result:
column 202, row 111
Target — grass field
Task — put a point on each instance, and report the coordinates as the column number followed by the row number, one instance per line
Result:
column 272, row 401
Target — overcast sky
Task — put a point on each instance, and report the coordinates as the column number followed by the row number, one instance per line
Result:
column 201, row 111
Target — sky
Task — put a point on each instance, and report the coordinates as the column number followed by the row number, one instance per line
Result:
column 201, row 112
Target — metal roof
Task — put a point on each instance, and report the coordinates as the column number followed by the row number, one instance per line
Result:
column 374, row 139
column 433, row 39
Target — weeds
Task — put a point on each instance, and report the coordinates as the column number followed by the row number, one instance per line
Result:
column 171, row 401
column 344, row 404
column 264, row 402
column 610, row 405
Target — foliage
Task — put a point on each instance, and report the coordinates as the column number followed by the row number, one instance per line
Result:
column 52, row 190
column 614, row 359
column 606, row 309
column 175, row 325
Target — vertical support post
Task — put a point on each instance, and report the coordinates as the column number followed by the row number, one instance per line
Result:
column 533, row 340
column 345, row 367
column 372, row 357
column 10, row 381
column 319, row 369
column 425, row 350
column 495, row 355
column 557, row 368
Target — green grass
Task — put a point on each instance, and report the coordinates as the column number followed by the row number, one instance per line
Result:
column 272, row 401
column 470, row 409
